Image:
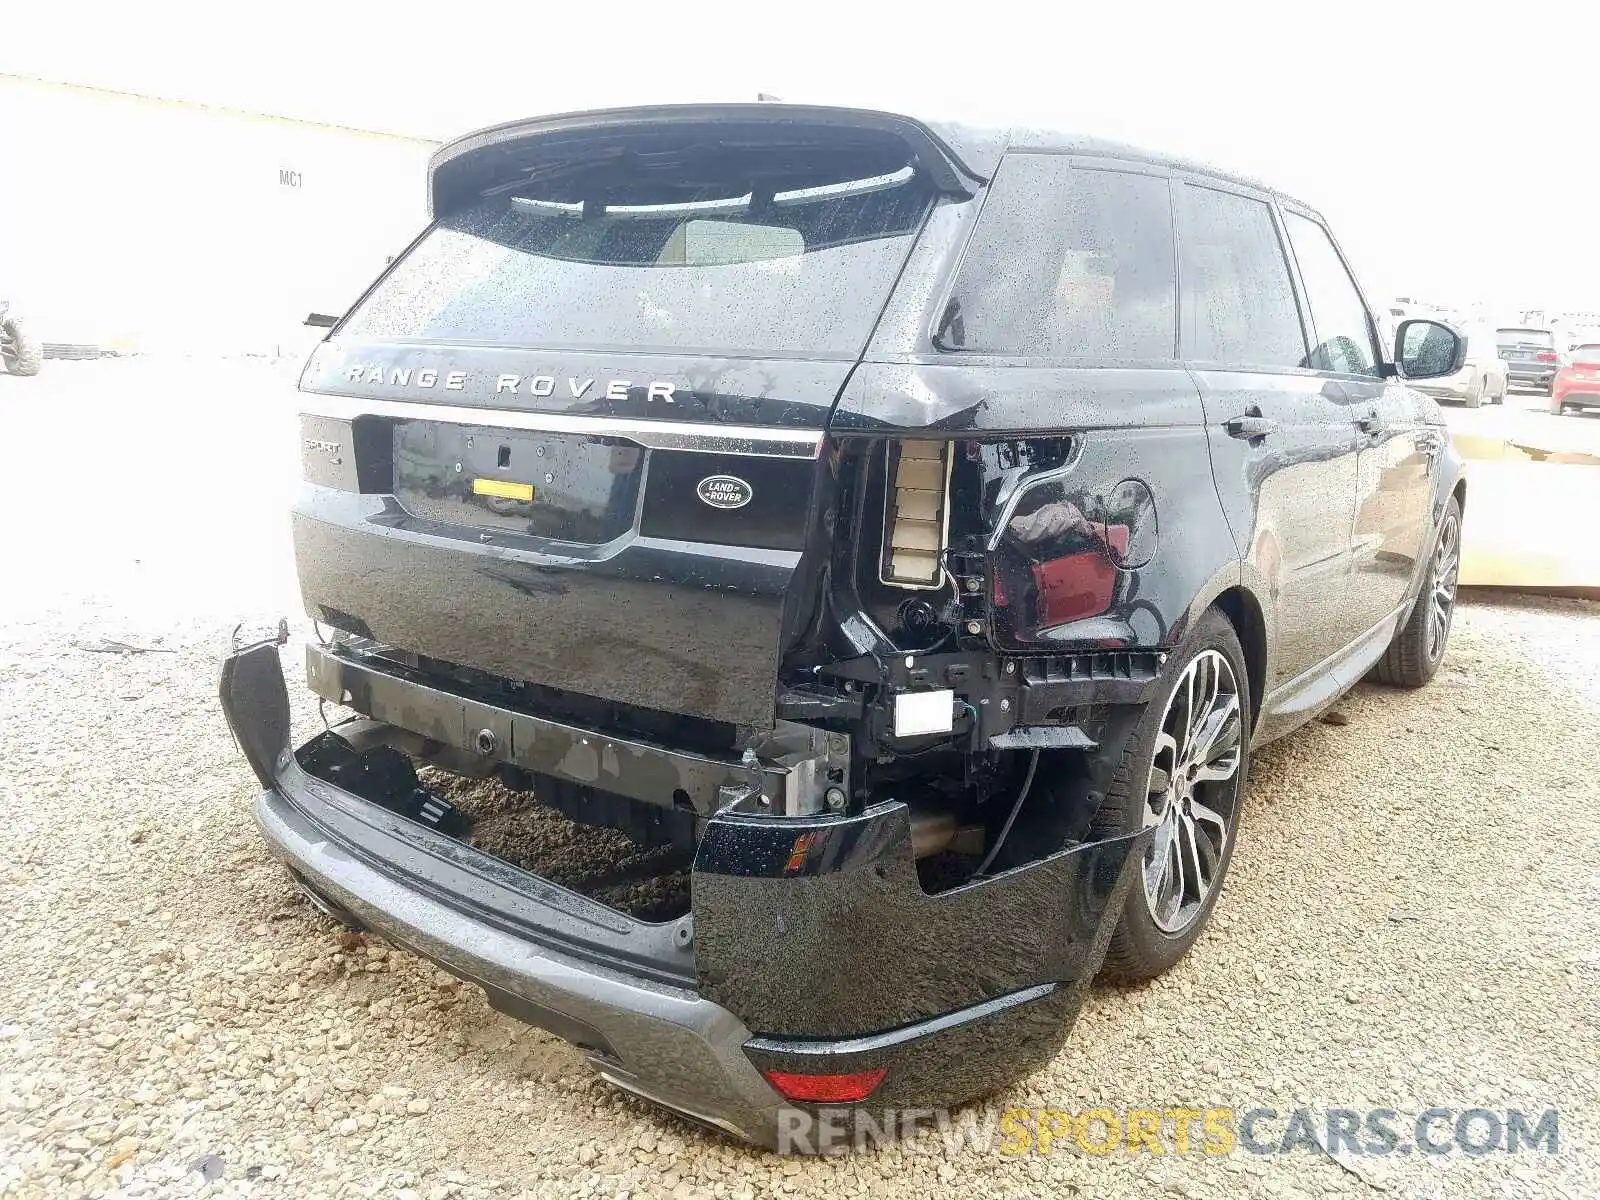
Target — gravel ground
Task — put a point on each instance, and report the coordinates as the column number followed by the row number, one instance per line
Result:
column 1410, row 920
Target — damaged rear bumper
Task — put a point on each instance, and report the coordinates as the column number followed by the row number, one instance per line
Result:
column 810, row 947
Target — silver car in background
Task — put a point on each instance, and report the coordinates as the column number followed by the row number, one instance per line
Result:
column 1483, row 379
column 1531, row 356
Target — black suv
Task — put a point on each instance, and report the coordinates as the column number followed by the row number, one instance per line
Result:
column 810, row 582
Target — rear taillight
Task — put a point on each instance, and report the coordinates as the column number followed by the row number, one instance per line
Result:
column 826, row 1089
column 916, row 514
column 1545, row 356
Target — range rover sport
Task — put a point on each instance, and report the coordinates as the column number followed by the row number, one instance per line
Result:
column 876, row 547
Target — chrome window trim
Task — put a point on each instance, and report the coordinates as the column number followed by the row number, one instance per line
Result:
column 701, row 437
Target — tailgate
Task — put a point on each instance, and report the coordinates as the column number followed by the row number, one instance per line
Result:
column 572, row 436
column 639, row 561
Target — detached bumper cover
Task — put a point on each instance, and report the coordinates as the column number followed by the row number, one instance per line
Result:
column 831, row 962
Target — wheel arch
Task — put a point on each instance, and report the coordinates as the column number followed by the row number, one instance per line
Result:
column 1249, row 623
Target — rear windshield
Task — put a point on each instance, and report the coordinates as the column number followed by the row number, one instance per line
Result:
column 1526, row 337
column 718, row 270
column 1589, row 352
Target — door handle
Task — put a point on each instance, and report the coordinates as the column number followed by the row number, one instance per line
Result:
column 1252, row 426
column 1371, row 423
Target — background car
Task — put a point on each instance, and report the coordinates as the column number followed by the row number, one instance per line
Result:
column 1530, row 356
column 1484, row 379
column 1577, row 383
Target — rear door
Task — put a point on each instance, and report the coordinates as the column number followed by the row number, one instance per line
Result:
column 1283, row 445
column 1397, row 451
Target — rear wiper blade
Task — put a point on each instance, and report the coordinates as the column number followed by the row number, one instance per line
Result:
column 549, row 208
column 850, row 187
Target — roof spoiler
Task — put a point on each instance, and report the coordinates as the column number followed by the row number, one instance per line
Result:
column 461, row 169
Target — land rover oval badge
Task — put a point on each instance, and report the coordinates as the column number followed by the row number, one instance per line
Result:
column 724, row 491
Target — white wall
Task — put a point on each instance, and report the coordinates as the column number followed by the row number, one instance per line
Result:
column 160, row 226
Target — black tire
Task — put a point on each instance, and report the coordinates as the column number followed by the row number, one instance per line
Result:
column 1123, row 774
column 19, row 352
column 1474, row 399
column 1418, row 648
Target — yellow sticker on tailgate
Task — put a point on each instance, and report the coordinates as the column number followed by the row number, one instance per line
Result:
column 503, row 489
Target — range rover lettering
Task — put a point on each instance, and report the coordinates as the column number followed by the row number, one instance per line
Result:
column 871, row 550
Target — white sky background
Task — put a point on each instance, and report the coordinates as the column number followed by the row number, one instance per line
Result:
column 1403, row 123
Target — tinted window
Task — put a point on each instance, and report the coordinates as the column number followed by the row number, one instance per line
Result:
column 1238, row 303
column 1588, row 354
column 1344, row 339
column 1068, row 262
column 806, row 272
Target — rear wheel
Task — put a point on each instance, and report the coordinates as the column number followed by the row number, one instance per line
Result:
column 1418, row 648
column 19, row 352
column 1180, row 773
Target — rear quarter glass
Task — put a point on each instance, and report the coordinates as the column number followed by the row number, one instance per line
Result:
column 1069, row 261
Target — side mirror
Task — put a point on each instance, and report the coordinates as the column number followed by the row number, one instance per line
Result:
column 321, row 320
column 1428, row 349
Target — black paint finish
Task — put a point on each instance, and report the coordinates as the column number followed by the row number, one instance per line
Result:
column 773, row 516
column 673, row 626
column 1119, row 546
column 797, row 896
column 942, row 1062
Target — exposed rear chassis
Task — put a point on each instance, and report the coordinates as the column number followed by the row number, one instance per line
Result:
column 810, row 945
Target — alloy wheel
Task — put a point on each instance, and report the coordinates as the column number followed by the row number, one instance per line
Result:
column 1192, row 792
column 1442, row 586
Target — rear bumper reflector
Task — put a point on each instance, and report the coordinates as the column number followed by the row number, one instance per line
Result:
column 826, row 1089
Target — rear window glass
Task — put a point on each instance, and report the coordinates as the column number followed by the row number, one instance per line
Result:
column 1068, row 262
column 1589, row 352
column 1525, row 337
column 802, row 272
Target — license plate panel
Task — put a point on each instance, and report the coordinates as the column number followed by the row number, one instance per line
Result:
column 556, row 487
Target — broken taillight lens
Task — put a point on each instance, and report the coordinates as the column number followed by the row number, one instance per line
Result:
column 826, row 1089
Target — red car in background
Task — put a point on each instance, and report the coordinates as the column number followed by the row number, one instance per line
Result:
column 1577, row 383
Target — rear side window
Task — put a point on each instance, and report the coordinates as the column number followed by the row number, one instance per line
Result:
column 1069, row 262
column 1344, row 337
column 731, row 267
column 1238, row 303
